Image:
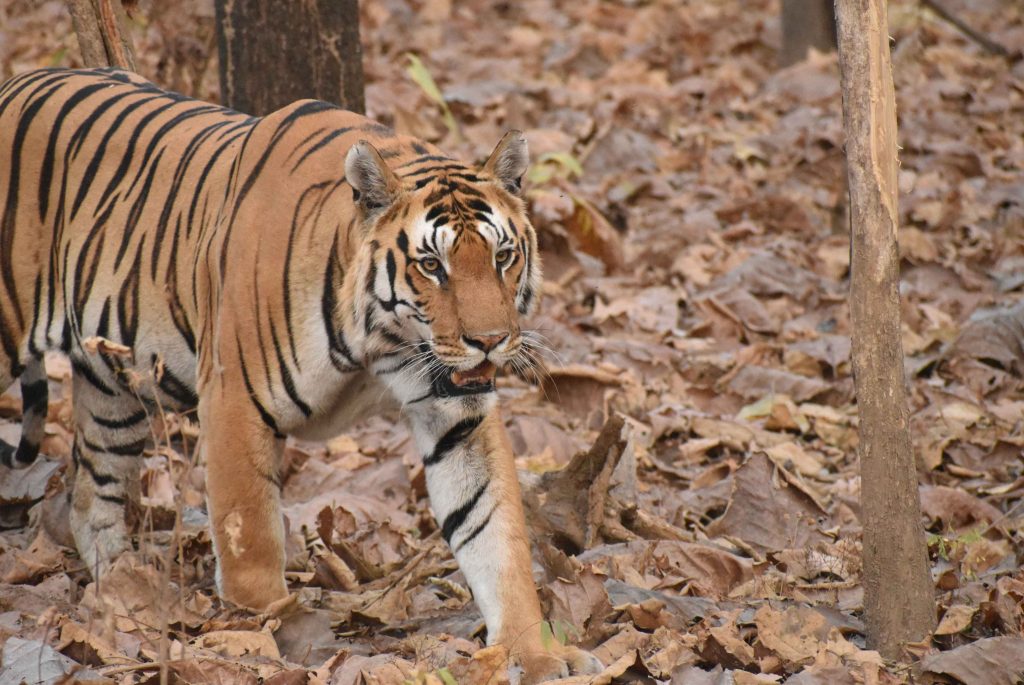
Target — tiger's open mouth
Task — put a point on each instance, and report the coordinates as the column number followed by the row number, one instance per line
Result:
column 482, row 373
column 474, row 381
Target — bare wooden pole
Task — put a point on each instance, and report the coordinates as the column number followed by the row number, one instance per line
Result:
column 101, row 27
column 898, row 591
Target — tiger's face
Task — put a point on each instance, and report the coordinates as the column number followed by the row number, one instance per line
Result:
column 453, row 262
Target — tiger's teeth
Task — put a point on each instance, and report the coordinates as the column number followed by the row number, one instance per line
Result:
column 481, row 373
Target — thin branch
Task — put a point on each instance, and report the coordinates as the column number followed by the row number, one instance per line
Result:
column 984, row 41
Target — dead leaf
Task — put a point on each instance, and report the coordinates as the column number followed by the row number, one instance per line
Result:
column 989, row 661
column 957, row 618
column 766, row 514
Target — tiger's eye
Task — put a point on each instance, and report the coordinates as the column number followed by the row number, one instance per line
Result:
column 431, row 264
column 503, row 257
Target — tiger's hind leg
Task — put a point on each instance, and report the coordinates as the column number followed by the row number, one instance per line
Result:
column 111, row 429
column 34, row 403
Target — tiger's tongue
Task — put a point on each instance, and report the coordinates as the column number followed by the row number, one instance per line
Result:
column 481, row 373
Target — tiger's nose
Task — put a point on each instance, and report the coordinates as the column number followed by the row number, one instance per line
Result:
column 485, row 342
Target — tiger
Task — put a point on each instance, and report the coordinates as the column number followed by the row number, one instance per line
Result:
column 281, row 276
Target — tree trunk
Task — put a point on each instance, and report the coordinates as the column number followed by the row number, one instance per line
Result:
column 274, row 52
column 806, row 24
column 898, row 592
column 101, row 27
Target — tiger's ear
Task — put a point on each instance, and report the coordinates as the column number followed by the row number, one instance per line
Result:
column 509, row 161
column 374, row 184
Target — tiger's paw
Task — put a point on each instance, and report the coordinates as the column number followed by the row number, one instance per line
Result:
column 557, row 662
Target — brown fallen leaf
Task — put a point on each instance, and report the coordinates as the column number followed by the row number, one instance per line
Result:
column 30, row 565
column 86, row 644
column 955, row 508
column 381, row 669
column 236, row 643
column 766, row 513
column 487, row 666
column 580, row 603
column 795, row 634
column 595, row 235
column 989, row 661
column 754, row 382
column 28, row 485
column 724, row 645
column 208, row 672
column 957, row 617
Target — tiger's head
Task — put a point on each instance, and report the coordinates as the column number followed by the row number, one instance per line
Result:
column 453, row 261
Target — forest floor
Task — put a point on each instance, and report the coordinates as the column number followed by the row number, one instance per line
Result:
column 691, row 202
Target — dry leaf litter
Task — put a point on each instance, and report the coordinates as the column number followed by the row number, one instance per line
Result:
column 689, row 461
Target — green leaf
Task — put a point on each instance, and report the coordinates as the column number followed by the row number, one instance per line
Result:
column 565, row 160
column 546, row 636
column 554, row 165
column 57, row 58
column 420, row 75
column 757, row 410
column 445, row 675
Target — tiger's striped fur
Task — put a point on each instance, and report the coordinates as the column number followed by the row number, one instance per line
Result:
column 284, row 275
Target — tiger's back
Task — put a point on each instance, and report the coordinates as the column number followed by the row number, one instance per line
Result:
column 107, row 181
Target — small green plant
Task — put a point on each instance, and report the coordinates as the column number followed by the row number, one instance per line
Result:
column 948, row 547
column 551, row 165
column 557, row 630
column 419, row 73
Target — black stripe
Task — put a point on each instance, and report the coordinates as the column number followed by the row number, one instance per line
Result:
column 257, row 169
column 329, row 305
column 476, row 531
column 130, row 449
column 103, row 327
column 286, row 288
column 177, row 389
column 100, row 478
column 454, row 520
column 128, row 300
column 6, row 454
column 480, row 206
column 135, row 213
column 435, row 211
column 450, row 440
column 80, row 291
column 88, row 375
column 126, row 159
column 34, row 395
column 234, row 134
column 114, row 499
column 286, row 374
column 264, row 414
column 426, row 158
column 116, row 424
column 320, row 144
column 46, row 173
column 27, row 451
column 8, row 225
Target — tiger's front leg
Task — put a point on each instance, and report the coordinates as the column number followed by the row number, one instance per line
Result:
column 475, row 495
column 243, row 496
